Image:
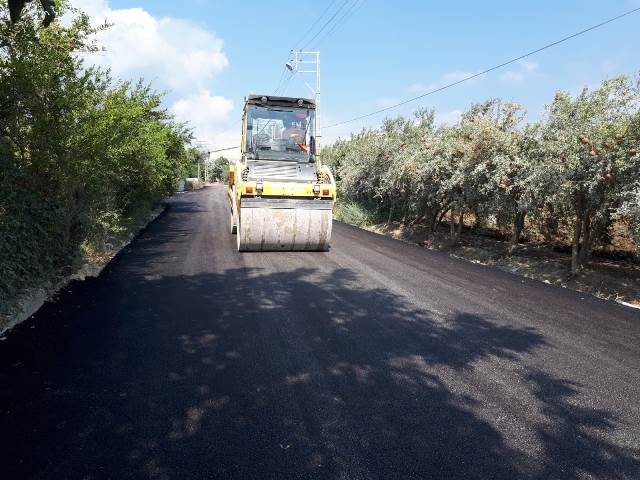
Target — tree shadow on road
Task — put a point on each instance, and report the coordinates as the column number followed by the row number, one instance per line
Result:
column 295, row 374
column 575, row 437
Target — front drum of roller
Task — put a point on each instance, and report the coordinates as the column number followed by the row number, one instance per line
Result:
column 286, row 225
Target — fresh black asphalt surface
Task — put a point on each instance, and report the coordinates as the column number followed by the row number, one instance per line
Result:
column 377, row 360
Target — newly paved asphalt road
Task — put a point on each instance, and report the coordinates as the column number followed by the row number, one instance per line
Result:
column 376, row 360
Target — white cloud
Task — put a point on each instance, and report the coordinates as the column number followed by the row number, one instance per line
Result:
column 609, row 66
column 172, row 52
column 178, row 56
column 210, row 117
column 448, row 118
column 512, row 77
column 526, row 69
column 421, row 87
column 203, row 109
column 225, row 139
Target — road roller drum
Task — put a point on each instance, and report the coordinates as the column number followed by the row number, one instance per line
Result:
column 281, row 195
column 288, row 225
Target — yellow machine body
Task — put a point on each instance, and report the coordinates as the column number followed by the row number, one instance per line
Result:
column 281, row 196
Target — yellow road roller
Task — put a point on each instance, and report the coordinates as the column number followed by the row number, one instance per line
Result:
column 281, row 195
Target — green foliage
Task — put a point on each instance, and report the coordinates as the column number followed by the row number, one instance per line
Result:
column 193, row 184
column 220, row 169
column 195, row 157
column 566, row 178
column 82, row 156
column 353, row 213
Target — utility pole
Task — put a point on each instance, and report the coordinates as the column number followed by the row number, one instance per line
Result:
column 310, row 62
column 204, row 148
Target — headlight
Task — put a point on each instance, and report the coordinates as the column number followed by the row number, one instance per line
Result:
column 259, row 186
column 316, row 189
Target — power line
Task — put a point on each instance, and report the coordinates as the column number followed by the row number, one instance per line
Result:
column 285, row 85
column 326, row 24
column 452, row 84
column 315, row 22
column 280, row 90
column 284, row 72
column 282, row 82
column 223, row 149
column 484, row 72
column 341, row 20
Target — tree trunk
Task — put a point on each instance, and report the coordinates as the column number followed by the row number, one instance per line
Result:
column 477, row 219
column 455, row 229
column 575, row 244
column 442, row 215
column 419, row 218
column 405, row 210
column 433, row 224
column 460, row 223
column 587, row 239
column 452, row 225
column 518, row 226
column 550, row 226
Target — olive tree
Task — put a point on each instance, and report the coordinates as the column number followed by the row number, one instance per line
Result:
column 567, row 176
column 592, row 141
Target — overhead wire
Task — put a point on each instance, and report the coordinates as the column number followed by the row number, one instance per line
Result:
column 326, row 24
column 224, row 149
column 313, row 24
column 488, row 70
column 352, row 9
column 284, row 72
column 329, row 21
column 483, row 72
column 283, row 81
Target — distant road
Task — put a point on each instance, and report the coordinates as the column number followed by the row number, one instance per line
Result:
column 376, row 360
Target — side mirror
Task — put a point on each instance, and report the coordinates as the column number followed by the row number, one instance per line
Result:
column 312, row 146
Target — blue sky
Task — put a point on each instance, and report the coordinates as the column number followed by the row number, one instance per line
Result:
column 383, row 52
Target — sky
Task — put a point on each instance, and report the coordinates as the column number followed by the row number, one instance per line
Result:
column 207, row 55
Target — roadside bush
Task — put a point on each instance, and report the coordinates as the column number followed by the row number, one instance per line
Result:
column 82, row 156
column 353, row 213
column 193, row 184
column 220, row 170
column 565, row 178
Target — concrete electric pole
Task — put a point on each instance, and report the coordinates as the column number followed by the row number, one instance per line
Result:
column 310, row 63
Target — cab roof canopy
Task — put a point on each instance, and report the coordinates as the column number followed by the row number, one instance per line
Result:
column 280, row 101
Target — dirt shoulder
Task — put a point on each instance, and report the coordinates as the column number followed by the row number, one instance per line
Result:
column 604, row 277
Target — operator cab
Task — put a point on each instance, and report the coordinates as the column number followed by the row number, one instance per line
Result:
column 280, row 129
